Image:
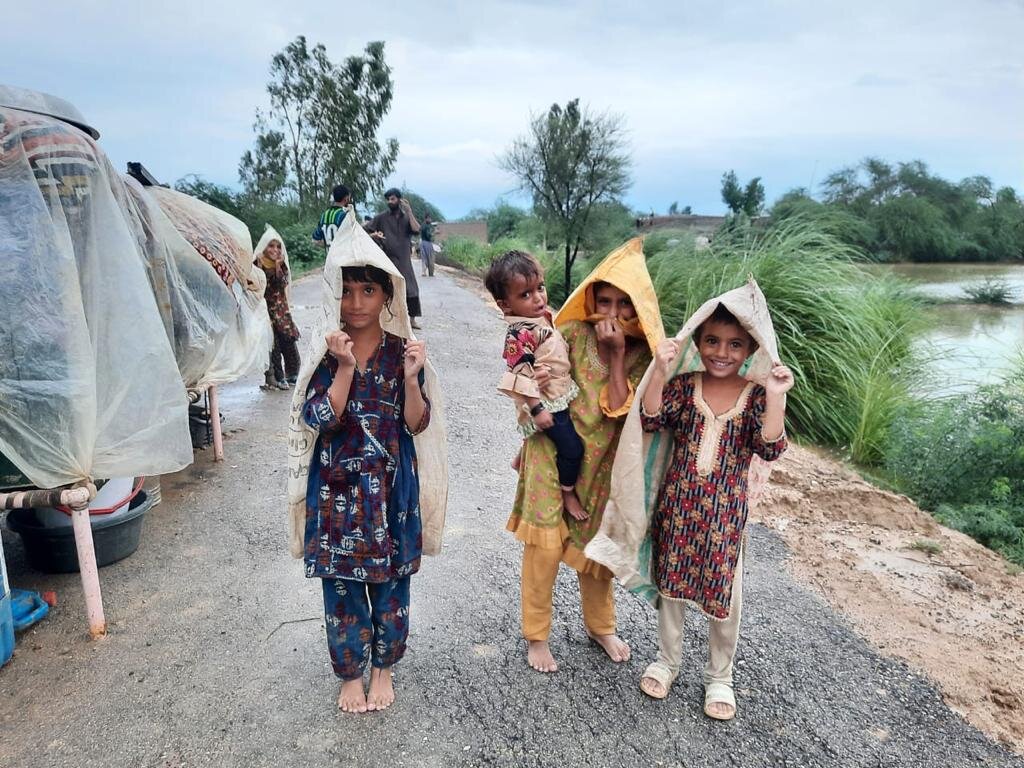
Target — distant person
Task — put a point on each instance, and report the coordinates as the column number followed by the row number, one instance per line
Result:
column 331, row 219
column 272, row 258
column 393, row 230
column 427, row 245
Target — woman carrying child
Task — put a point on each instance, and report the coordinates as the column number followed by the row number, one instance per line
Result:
column 706, row 418
column 272, row 258
column 611, row 326
column 367, row 466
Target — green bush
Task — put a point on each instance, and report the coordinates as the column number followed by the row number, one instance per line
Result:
column 963, row 458
column 846, row 335
column 990, row 291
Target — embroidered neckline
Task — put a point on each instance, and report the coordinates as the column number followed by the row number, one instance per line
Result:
column 714, row 424
column 371, row 361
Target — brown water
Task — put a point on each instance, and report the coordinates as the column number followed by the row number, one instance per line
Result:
column 969, row 344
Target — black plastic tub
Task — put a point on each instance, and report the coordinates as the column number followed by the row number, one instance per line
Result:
column 52, row 550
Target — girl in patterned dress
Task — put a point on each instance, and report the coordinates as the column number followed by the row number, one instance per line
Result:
column 718, row 420
column 272, row 258
column 363, row 530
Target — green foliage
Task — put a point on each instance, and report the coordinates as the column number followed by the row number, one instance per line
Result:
column 321, row 127
column 990, row 291
column 963, row 458
column 570, row 161
column 904, row 212
column 748, row 200
column 927, row 546
column 846, row 336
column 503, row 220
column 475, row 257
column 419, row 204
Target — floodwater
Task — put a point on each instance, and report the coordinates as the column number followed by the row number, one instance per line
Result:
column 969, row 344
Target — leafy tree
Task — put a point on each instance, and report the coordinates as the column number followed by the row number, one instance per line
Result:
column 503, row 219
column 747, row 200
column 321, row 126
column 570, row 160
column 673, row 209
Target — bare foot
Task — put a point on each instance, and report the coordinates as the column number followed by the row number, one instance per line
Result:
column 539, row 656
column 517, row 460
column 382, row 693
column 352, row 698
column 572, row 505
column 614, row 646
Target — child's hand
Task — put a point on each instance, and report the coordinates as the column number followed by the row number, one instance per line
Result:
column 609, row 334
column 541, row 375
column 340, row 346
column 544, row 420
column 779, row 381
column 415, row 357
column 665, row 355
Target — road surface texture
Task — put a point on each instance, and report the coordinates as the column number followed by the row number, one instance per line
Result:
column 201, row 667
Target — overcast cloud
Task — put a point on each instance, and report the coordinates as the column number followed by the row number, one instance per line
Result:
column 786, row 91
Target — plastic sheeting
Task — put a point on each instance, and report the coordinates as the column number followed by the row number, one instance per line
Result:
column 224, row 243
column 89, row 386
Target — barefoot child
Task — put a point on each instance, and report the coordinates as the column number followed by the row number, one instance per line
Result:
column 359, row 519
column 516, row 281
column 611, row 325
column 716, row 421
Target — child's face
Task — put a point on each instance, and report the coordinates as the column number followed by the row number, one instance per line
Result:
column 525, row 297
column 723, row 348
column 611, row 302
column 273, row 250
column 361, row 304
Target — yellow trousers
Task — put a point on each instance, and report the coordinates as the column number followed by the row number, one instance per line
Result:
column 540, row 568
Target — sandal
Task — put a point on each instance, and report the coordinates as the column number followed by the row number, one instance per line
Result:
column 719, row 693
column 660, row 674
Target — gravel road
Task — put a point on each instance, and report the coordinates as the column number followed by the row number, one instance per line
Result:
column 200, row 667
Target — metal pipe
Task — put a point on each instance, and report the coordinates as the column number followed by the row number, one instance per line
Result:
column 218, row 437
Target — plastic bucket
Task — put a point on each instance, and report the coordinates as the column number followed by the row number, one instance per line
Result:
column 6, row 617
column 53, row 550
column 111, row 499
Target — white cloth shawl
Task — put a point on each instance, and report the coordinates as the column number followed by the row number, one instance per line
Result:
column 352, row 247
column 623, row 542
column 269, row 233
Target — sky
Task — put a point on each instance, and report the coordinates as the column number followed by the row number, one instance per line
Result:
column 788, row 91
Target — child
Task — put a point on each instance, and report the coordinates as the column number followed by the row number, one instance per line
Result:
column 612, row 326
column 719, row 420
column 363, row 508
column 683, row 480
column 516, row 281
column 272, row 258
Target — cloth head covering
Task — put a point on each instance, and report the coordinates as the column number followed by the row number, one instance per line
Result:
column 352, row 247
column 623, row 543
column 269, row 234
column 626, row 269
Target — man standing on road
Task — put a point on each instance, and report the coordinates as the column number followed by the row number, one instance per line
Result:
column 331, row 219
column 393, row 230
column 427, row 246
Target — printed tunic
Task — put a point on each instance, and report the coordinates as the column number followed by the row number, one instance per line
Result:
column 698, row 523
column 538, row 515
column 277, row 301
column 531, row 342
column 362, row 501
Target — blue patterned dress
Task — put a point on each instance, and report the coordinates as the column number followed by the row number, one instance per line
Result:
column 362, row 501
column 697, row 526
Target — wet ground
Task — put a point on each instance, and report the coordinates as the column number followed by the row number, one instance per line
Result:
column 216, row 653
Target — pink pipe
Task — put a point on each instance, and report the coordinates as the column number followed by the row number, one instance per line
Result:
column 218, row 438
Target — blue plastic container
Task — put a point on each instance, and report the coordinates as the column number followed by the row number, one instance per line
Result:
column 6, row 617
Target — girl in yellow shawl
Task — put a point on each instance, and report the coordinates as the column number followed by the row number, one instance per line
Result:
column 611, row 324
column 272, row 258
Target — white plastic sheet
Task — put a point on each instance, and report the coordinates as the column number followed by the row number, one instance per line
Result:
column 224, row 243
column 89, row 386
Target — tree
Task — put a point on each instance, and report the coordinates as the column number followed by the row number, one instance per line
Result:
column 673, row 209
column 321, row 127
column 748, row 200
column 419, row 204
column 570, row 160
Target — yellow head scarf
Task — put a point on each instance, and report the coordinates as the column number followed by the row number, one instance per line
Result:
column 626, row 269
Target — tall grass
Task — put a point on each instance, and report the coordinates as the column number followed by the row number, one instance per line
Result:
column 990, row 291
column 847, row 335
